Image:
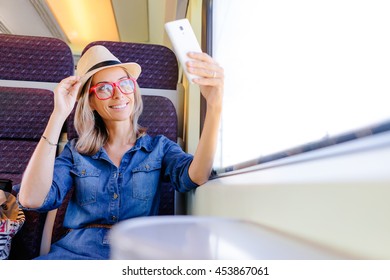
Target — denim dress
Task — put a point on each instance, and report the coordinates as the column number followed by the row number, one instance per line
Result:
column 106, row 194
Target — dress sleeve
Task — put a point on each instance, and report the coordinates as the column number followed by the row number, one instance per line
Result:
column 62, row 181
column 176, row 163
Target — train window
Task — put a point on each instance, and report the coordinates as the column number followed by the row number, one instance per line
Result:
column 299, row 71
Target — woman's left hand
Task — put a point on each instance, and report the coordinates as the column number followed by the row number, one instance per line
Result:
column 211, row 77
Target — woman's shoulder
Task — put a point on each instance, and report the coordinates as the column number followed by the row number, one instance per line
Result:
column 71, row 144
column 70, row 148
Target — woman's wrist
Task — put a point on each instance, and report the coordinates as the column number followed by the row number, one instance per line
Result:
column 215, row 110
column 59, row 116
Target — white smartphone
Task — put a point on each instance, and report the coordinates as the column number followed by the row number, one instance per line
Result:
column 183, row 41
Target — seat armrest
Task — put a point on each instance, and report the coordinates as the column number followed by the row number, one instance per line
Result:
column 47, row 232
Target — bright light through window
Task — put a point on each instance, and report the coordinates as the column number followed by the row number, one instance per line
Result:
column 299, row 71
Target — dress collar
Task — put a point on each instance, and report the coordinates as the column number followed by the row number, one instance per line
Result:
column 143, row 142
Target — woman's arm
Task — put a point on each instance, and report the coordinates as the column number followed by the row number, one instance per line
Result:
column 211, row 84
column 38, row 175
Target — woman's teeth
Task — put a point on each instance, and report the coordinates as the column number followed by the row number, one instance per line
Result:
column 118, row 106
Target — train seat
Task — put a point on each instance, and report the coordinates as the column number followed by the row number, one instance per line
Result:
column 35, row 59
column 23, row 117
column 30, row 66
column 30, row 55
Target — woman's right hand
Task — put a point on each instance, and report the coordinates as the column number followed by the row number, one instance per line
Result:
column 65, row 95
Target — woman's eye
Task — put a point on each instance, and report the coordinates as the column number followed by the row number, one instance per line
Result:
column 104, row 87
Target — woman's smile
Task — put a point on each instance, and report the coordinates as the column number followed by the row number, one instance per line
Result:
column 119, row 106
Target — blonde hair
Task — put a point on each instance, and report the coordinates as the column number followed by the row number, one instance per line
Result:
column 91, row 128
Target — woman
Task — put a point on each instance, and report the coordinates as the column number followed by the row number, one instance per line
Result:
column 114, row 166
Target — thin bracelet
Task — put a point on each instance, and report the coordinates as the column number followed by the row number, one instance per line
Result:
column 48, row 141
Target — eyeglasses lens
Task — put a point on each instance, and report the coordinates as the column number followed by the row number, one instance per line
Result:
column 126, row 86
column 104, row 91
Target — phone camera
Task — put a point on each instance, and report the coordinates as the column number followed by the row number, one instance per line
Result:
column 181, row 28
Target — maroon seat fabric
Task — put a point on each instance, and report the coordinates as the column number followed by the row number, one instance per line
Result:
column 33, row 58
column 23, row 117
column 24, row 113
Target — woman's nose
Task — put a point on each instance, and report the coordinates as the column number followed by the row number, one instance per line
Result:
column 117, row 94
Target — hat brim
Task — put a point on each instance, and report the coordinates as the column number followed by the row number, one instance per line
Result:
column 134, row 69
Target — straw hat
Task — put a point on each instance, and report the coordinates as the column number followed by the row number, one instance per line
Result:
column 97, row 58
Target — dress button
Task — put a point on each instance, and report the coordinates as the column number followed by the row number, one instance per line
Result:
column 115, row 196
